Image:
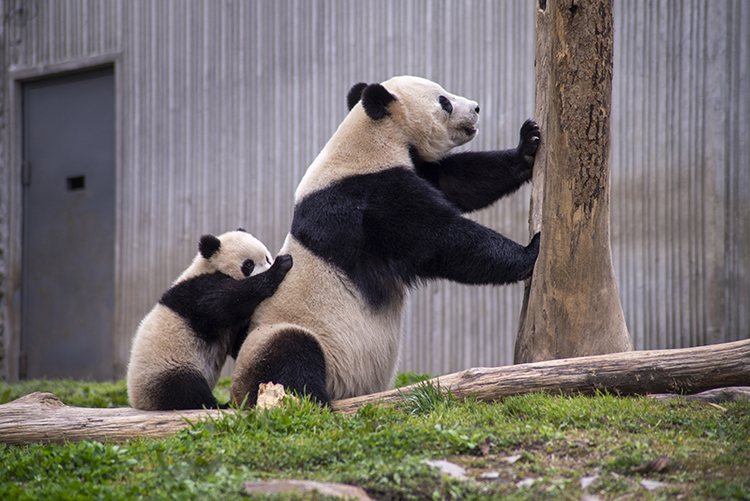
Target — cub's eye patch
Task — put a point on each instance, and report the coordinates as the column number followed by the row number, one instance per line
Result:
column 446, row 104
column 247, row 267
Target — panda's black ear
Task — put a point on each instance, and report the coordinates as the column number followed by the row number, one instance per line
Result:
column 354, row 95
column 243, row 230
column 208, row 245
column 375, row 99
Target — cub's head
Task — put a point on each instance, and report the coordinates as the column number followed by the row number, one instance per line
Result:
column 235, row 253
column 433, row 120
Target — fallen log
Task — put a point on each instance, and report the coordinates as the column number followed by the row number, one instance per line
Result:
column 682, row 371
column 714, row 396
column 43, row 418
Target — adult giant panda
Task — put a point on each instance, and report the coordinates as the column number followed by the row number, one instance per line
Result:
column 182, row 344
column 379, row 210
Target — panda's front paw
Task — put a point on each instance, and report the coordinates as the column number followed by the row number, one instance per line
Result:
column 282, row 263
column 532, row 251
column 533, row 247
column 529, row 144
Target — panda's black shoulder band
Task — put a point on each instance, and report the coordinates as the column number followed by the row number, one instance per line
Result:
column 375, row 99
column 354, row 95
column 208, row 245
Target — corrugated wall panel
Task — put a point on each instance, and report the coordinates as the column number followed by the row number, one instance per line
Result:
column 223, row 105
column 679, row 195
column 737, row 166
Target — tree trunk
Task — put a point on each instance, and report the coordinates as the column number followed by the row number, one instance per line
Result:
column 41, row 417
column 571, row 306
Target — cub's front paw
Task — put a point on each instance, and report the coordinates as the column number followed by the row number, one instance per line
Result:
column 282, row 263
column 530, row 137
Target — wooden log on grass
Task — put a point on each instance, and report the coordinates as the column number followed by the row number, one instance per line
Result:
column 42, row 418
column 681, row 371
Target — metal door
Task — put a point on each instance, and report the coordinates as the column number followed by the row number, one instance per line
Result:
column 68, row 226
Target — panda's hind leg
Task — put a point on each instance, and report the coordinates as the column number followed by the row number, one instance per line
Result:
column 183, row 388
column 291, row 357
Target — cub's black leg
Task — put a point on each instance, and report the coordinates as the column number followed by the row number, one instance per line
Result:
column 295, row 360
column 184, row 389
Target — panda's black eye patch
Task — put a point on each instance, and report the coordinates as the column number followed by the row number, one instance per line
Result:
column 247, row 267
column 446, row 104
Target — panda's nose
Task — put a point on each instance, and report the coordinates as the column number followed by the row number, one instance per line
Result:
column 477, row 109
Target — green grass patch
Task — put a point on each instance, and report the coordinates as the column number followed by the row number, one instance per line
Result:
column 426, row 397
column 78, row 393
column 523, row 448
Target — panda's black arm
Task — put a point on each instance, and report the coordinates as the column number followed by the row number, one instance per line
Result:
column 472, row 254
column 213, row 302
column 473, row 180
column 201, row 302
column 413, row 231
column 241, row 297
column 433, row 243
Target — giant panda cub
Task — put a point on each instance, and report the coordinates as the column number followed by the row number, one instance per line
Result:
column 380, row 210
column 182, row 344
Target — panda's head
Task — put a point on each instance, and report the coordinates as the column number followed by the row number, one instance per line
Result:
column 235, row 253
column 433, row 120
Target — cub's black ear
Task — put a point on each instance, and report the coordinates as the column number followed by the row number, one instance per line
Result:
column 208, row 245
column 355, row 94
column 243, row 230
column 375, row 99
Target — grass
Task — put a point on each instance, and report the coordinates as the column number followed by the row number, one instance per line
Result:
column 78, row 393
column 524, row 448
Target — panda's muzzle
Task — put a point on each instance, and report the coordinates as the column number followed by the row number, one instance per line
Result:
column 469, row 130
column 469, row 127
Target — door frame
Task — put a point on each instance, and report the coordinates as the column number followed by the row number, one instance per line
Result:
column 17, row 77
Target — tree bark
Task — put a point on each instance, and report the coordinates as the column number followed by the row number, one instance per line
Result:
column 41, row 417
column 571, row 305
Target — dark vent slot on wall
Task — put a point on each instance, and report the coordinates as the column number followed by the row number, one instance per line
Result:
column 76, row 183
